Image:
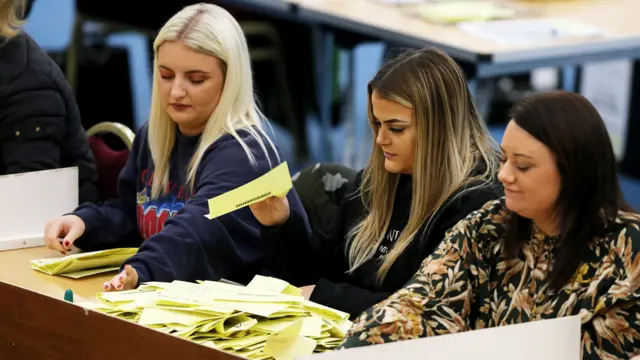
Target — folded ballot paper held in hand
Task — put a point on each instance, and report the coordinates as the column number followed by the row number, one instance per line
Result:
column 267, row 319
column 276, row 182
column 84, row 264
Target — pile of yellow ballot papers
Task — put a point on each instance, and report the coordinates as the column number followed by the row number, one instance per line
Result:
column 84, row 264
column 267, row 319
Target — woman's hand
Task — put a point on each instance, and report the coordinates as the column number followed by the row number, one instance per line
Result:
column 126, row 280
column 307, row 291
column 272, row 211
column 60, row 233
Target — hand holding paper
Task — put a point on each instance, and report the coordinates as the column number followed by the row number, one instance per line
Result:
column 126, row 280
column 273, row 211
column 274, row 184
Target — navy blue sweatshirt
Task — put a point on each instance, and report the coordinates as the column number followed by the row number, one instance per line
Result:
column 176, row 241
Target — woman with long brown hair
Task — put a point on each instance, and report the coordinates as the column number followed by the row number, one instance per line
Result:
column 432, row 163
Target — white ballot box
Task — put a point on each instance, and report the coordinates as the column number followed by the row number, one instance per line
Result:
column 29, row 200
column 557, row 339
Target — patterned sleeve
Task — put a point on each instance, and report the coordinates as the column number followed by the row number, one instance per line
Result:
column 437, row 299
column 612, row 329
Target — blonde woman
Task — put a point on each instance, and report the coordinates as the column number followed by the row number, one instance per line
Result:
column 204, row 138
column 432, row 163
column 40, row 127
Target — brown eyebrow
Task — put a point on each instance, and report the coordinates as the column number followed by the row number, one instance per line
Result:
column 187, row 72
column 395, row 121
column 517, row 154
column 391, row 121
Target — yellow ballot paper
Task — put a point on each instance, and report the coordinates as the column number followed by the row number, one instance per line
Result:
column 276, row 182
column 84, row 264
column 267, row 283
column 263, row 320
column 289, row 344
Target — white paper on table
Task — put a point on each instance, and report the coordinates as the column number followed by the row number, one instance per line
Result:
column 558, row 339
column 30, row 200
column 529, row 31
column 403, row 2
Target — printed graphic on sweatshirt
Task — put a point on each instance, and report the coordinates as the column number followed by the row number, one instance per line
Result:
column 153, row 213
column 387, row 243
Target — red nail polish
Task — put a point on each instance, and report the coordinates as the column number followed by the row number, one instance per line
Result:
column 106, row 287
column 121, row 278
column 66, row 243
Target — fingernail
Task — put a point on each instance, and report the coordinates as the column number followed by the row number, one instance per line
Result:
column 106, row 287
column 66, row 243
column 62, row 252
column 119, row 287
column 121, row 278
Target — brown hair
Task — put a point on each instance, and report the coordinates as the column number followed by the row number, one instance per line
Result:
column 451, row 141
column 590, row 197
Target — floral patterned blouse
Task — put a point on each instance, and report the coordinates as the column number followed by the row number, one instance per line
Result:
column 467, row 284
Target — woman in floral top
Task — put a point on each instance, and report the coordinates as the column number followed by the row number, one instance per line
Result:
column 562, row 242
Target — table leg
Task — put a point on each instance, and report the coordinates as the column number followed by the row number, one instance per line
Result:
column 570, row 78
column 482, row 90
column 350, row 155
column 324, row 44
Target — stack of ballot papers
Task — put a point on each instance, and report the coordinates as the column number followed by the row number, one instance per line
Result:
column 84, row 264
column 267, row 319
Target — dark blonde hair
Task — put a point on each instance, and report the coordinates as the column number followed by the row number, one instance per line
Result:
column 11, row 12
column 451, row 141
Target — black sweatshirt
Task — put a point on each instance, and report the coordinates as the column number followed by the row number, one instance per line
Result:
column 303, row 259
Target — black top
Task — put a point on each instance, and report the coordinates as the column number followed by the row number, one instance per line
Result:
column 321, row 258
column 40, row 126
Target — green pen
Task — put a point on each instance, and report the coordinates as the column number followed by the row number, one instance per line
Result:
column 68, row 295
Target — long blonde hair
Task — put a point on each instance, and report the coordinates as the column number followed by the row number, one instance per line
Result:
column 10, row 17
column 451, row 142
column 211, row 30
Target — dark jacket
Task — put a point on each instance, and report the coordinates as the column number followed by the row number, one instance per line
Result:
column 40, row 126
column 320, row 258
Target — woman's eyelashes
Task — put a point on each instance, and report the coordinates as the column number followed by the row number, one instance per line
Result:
column 195, row 81
column 397, row 130
column 520, row 167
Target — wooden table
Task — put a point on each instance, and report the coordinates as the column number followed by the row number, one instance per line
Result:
column 35, row 323
column 15, row 269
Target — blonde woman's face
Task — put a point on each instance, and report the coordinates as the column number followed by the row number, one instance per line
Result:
column 190, row 84
column 395, row 133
